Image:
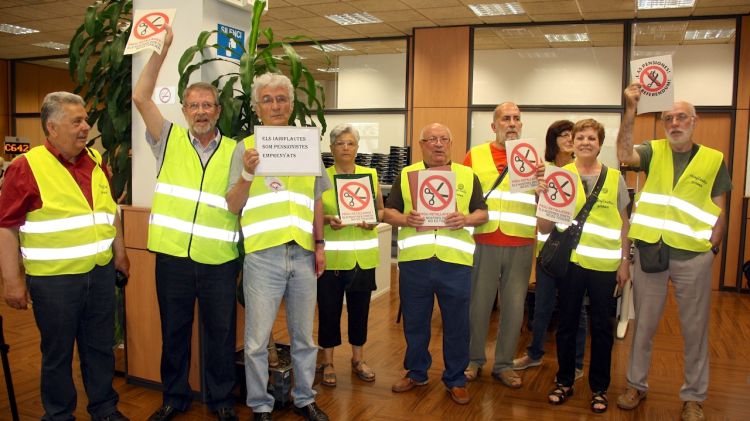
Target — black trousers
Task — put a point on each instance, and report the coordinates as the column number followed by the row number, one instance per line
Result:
column 332, row 287
column 76, row 309
column 571, row 289
column 179, row 282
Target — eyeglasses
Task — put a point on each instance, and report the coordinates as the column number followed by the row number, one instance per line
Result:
column 680, row 118
column 268, row 100
column 195, row 106
column 444, row 140
column 342, row 143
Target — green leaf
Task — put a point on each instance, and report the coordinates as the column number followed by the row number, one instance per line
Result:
column 83, row 64
column 90, row 20
column 187, row 58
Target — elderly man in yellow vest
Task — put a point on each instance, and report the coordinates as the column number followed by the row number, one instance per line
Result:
column 195, row 240
column 57, row 198
column 282, row 222
column 681, row 212
column 505, row 249
column 436, row 262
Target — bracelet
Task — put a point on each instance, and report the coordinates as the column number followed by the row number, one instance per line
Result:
column 320, row 241
column 247, row 176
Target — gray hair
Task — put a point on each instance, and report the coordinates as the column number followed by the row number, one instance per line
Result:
column 52, row 106
column 202, row 86
column 342, row 129
column 270, row 80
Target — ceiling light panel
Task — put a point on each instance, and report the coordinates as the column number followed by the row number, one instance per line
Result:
column 332, row 47
column 580, row 37
column 354, row 18
column 16, row 30
column 708, row 34
column 497, row 9
column 664, row 4
column 52, row 45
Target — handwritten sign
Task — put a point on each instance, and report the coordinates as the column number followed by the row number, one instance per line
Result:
column 558, row 202
column 523, row 157
column 657, row 87
column 354, row 195
column 436, row 196
column 149, row 30
column 287, row 150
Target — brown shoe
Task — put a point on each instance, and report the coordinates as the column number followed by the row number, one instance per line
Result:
column 631, row 398
column 692, row 411
column 406, row 384
column 459, row 394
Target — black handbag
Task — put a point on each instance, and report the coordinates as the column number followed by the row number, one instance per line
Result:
column 554, row 257
column 654, row 257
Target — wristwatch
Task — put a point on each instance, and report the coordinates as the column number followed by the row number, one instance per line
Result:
column 715, row 250
column 320, row 241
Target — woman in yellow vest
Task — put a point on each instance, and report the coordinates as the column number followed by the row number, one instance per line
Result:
column 599, row 266
column 558, row 152
column 351, row 256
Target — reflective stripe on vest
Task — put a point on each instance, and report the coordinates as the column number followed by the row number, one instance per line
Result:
column 190, row 216
column 349, row 246
column 271, row 218
column 600, row 246
column 513, row 213
column 683, row 215
column 66, row 236
column 453, row 246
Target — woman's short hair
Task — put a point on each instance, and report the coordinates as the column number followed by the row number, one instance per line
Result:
column 52, row 106
column 341, row 129
column 270, row 80
column 590, row 123
column 553, row 131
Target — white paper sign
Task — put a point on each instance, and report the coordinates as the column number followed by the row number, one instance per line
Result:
column 355, row 199
column 436, row 196
column 523, row 157
column 287, row 150
column 558, row 203
column 149, row 30
column 165, row 95
column 657, row 86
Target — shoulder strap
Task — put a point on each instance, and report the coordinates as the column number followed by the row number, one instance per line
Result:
column 584, row 212
column 497, row 182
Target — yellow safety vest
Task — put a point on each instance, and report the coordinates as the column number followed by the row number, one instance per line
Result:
column 66, row 236
column 684, row 216
column 600, row 246
column 350, row 245
column 453, row 246
column 278, row 210
column 190, row 216
column 513, row 213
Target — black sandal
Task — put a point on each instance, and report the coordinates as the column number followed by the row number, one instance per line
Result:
column 560, row 393
column 599, row 398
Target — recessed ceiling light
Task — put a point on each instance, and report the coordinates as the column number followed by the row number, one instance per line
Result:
column 497, row 9
column 582, row 37
column 516, row 33
column 332, row 47
column 52, row 45
column 16, row 30
column 664, row 4
column 328, row 69
column 698, row 34
column 354, row 18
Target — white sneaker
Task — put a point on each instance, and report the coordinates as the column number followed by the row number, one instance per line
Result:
column 526, row 362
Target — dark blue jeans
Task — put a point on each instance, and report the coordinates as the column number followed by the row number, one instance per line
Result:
column 419, row 282
column 545, row 296
column 179, row 282
column 76, row 309
column 570, row 291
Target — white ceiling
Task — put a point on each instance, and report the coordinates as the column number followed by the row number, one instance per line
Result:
column 57, row 20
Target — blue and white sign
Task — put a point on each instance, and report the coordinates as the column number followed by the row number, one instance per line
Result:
column 230, row 47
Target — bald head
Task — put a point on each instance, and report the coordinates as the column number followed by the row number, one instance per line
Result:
column 679, row 124
column 506, row 123
column 435, row 143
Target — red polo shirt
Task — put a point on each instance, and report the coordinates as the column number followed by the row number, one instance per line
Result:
column 498, row 238
column 20, row 193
